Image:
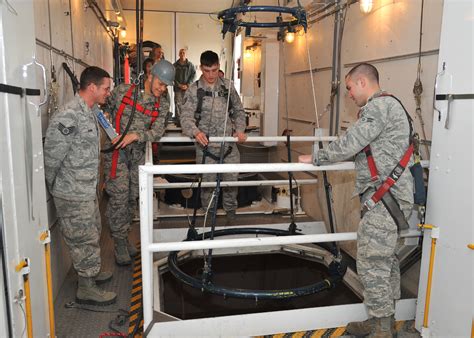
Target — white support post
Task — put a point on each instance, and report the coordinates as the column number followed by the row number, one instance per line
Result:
column 146, row 234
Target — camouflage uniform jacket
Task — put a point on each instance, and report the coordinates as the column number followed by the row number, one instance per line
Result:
column 185, row 73
column 213, row 112
column 71, row 152
column 384, row 125
column 141, row 122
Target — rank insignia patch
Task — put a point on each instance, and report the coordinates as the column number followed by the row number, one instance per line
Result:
column 65, row 130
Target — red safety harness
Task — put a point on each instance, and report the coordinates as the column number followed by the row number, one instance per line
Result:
column 128, row 101
column 380, row 193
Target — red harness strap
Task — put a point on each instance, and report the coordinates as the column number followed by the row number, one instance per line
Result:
column 127, row 101
column 396, row 172
column 391, row 179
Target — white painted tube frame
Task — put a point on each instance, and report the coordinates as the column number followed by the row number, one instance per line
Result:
column 242, row 168
column 251, row 242
column 184, row 185
column 185, row 139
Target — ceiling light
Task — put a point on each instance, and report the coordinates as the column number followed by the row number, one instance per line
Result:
column 366, row 6
column 290, row 37
column 123, row 33
column 248, row 52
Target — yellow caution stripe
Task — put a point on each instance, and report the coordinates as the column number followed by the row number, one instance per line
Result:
column 136, row 305
column 328, row 333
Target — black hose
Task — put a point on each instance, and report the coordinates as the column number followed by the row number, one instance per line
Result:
column 75, row 82
column 292, row 227
column 336, row 272
column 328, row 193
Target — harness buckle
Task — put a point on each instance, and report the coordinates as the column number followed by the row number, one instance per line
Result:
column 369, row 204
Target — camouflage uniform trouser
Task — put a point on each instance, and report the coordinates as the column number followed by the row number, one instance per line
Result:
column 178, row 101
column 80, row 226
column 377, row 264
column 229, row 195
column 123, row 190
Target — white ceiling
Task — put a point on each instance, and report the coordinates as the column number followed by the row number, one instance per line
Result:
column 206, row 6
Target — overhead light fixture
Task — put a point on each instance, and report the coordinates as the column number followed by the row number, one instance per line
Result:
column 123, row 33
column 248, row 52
column 366, row 6
column 290, row 37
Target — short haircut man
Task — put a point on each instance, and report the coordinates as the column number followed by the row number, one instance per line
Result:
column 366, row 70
column 93, row 75
column 209, row 58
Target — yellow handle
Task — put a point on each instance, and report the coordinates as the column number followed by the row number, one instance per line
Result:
column 471, row 246
column 21, row 265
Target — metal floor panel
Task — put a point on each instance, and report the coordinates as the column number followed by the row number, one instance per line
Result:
column 79, row 322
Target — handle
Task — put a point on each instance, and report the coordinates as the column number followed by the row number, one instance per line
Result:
column 434, row 90
column 46, row 95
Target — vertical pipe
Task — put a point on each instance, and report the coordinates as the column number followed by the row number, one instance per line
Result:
column 117, row 60
column 29, row 321
column 72, row 38
column 335, row 69
column 45, row 238
column 428, row 286
column 146, row 236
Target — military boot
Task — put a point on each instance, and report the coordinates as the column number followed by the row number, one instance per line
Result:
column 383, row 328
column 361, row 328
column 103, row 277
column 132, row 250
column 122, row 257
column 89, row 293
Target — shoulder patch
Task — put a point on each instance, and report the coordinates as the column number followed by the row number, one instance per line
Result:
column 65, row 130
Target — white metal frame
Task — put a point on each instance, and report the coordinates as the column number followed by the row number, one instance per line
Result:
column 344, row 313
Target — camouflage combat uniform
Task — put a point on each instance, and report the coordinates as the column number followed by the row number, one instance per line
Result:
column 71, row 156
column 185, row 74
column 123, row 190
column 213, row 115
column 384, row 125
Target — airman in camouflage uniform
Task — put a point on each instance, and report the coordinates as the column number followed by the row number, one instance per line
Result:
column 123, row 189
column 71, row 156
column 211, row 122
column 384, row 125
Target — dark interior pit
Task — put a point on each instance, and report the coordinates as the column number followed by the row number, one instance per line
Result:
column 258, row 271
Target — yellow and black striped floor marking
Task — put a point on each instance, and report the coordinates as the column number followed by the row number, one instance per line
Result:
column 402, row 325
column 136, row 305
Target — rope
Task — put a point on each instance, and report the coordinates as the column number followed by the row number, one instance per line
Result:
column 418, row 86
column 312, row 81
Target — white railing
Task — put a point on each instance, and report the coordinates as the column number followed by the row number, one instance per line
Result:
column 146, row 173
column 185, row 139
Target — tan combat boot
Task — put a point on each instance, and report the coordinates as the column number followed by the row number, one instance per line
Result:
column 383, row 328
column 361, row 328
column 89, row 293
column 103, row 277
column 122, row 257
